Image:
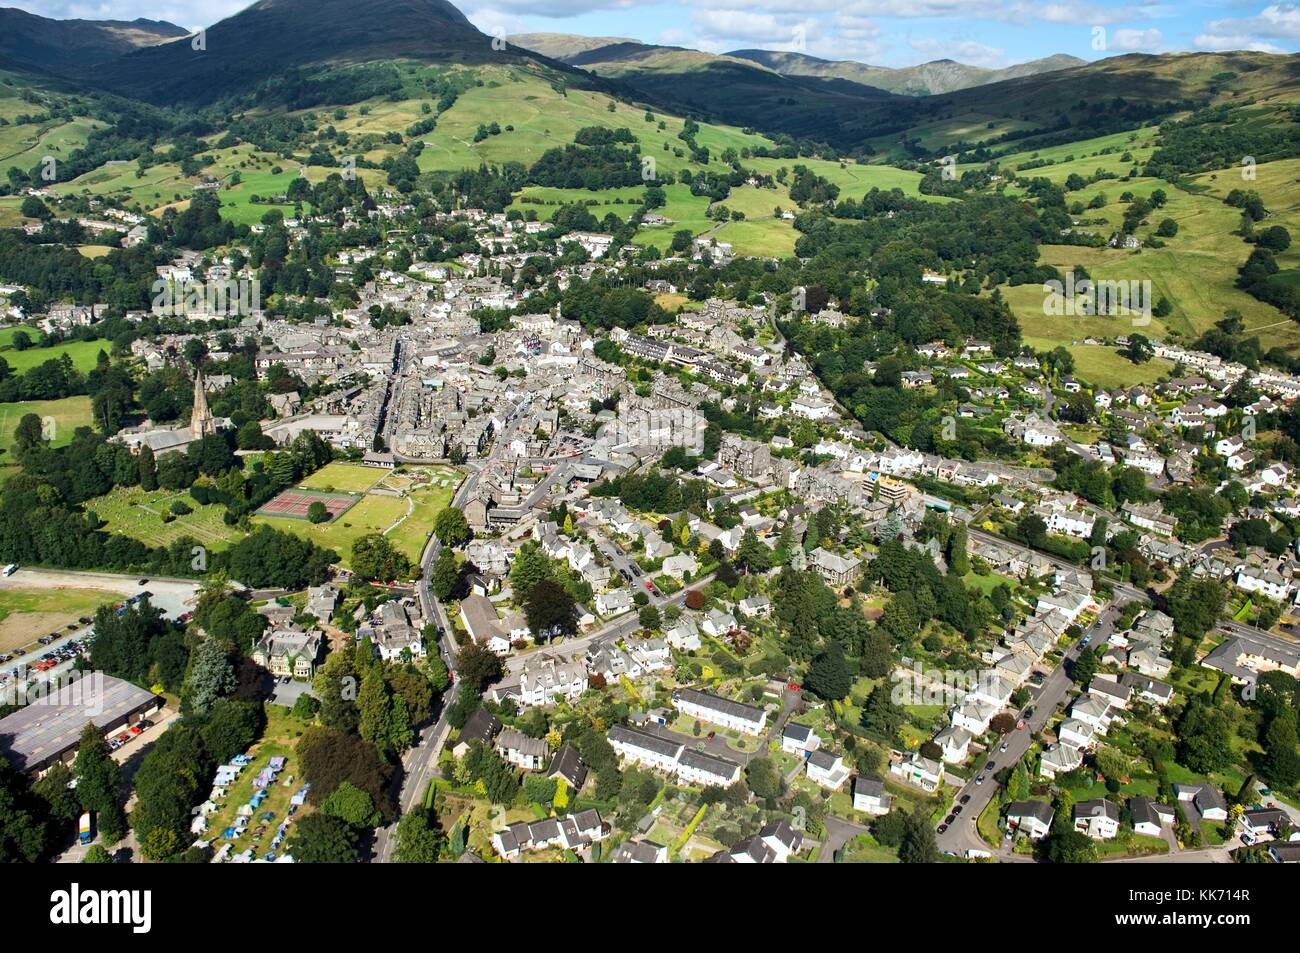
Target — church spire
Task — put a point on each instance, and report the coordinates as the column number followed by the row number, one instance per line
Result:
column 201, row 420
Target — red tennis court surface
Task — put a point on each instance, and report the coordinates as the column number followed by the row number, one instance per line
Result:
column 293, row 504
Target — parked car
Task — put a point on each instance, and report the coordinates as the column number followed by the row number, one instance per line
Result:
column 979, row 779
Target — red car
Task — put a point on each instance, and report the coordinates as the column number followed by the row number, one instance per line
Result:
column 793, row 687
column 650, row 585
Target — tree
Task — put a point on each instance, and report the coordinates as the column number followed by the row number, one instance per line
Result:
column 450, row 526
column 147, row 469
column 550, row 610
column 649, row 617
column 1204, row 738
column 99, row 782
column 353, row 805
column 1084, row 667
column 317, row 512
column 322, row 839
column 1281, row 760
column 212, row 677
column 419, row 839
column 97, row 855
column 374, row 557
column 829, row 677
column 763, row 778
column 918, row 845
column 445, row 574
column 1069, row 847
column 529, row 567
column 958, row 558
column 478, row 666
column 881, row 716
column 694, row 600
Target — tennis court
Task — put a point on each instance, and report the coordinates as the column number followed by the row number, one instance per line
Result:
column 294, row 504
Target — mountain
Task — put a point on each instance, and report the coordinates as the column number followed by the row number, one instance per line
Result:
column 939, row 76
column 562, row 46
column 723, row 88
column 270, row 38
column 63, row 45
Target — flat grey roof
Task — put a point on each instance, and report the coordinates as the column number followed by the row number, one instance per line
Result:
column 42, row 731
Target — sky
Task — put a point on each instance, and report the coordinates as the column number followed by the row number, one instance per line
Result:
column 991, row 33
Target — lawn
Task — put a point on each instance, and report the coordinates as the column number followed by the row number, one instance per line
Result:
column 1196, row 271
column 139, row 513
column 1105, row 367
column 60, row 419
column 84, row 354
column 343, row 478
column 405, row 520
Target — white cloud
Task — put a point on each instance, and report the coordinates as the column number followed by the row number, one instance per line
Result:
column 965, row 51
column 1134, row 41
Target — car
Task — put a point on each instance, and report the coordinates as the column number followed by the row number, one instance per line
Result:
column 965, row 799
column 136, row 729
column 979, row 779
column 1003, row 746
column 1085, row 640
column 650, row 586
column 956, row 810
column 1020, row 724
column 712, row 735
column 793, row 687
column 142, row 582
column 942, row 828
column 85, row 620
column 949, row 819
column 990, row 766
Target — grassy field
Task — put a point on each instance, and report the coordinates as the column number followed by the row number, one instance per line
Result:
column 1084, row 157
column 84, row 354
column 67, row 415
column 28, row 614
column 1278, row 184
column 139, row 513
column 406, row 521
column 1104, row 367
column 542, row 118
column 343, row 478
column 1196, row 271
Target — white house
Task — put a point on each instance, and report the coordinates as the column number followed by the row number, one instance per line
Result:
column 869, row 796
column 720, row 711
column 1031, row 818
column 827, row 769
column 1098, row 818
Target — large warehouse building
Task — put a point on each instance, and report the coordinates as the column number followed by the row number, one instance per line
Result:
column 48, row 730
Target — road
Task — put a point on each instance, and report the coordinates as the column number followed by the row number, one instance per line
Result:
column 420, row 763
column 963, row 834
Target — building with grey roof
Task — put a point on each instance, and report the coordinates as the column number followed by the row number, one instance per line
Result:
column 48, row 730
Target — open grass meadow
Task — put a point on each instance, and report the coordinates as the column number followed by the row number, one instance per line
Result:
column 66, row 415
column 1196, row 271
column 84, row 354
column 343, row 478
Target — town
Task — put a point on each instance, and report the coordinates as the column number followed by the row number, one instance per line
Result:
column 407, row 516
